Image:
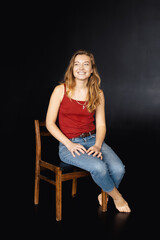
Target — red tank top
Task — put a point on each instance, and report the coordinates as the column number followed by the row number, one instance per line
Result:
column 73, row 119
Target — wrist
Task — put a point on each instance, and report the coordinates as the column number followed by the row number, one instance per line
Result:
column 99, row 145
column 68, row 143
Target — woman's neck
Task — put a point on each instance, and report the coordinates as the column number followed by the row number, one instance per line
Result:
column 80, row 91
column 81, row 84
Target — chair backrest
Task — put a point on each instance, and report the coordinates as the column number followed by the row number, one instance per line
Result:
column 40, row 130
column 49, row 144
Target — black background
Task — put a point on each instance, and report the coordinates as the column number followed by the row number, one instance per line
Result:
column 37, row 43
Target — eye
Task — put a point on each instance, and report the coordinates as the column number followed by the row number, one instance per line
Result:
column 86, row 64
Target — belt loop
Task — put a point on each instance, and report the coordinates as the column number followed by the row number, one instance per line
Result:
column 90, row 134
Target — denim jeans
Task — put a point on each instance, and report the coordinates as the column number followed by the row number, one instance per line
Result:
column 106, row 173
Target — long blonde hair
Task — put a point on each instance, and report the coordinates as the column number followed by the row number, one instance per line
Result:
column 93, row 81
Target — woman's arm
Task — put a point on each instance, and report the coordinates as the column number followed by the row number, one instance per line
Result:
column 100, row 122
column 100, row 128
column 52, row 113
column 51, row 118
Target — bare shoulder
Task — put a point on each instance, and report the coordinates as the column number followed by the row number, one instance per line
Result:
column 59, row 88
column 101, row 95
column 101, row 92
column 58, row 92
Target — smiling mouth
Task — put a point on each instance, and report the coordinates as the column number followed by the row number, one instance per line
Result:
column 81, row 73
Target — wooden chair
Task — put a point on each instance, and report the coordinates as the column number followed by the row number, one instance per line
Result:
column 60, row 174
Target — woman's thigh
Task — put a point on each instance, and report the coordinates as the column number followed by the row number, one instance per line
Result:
column 84, row 161
column 113, row 162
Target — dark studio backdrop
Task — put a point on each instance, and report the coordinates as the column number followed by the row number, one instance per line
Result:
column 124, row 37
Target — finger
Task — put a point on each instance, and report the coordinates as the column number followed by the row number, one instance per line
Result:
column 91, row 152
column 73, row 154
column 76, row 151
column 95, row 154
column 79, row 149
column 89, row 149
column 99, row 155
column 83, row 148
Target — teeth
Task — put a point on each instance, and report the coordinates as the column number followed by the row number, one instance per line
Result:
column 81, row 73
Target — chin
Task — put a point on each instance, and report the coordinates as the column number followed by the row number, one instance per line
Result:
column 82, row 77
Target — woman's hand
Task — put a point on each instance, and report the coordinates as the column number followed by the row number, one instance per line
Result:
column 95, row 151
column 76, row 148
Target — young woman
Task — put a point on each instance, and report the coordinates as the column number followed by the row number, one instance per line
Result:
column 78, row 103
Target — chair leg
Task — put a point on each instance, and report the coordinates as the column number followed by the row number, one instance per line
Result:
column 59, row 196
column 36, row 187
column 104, row 201
column 74, row 187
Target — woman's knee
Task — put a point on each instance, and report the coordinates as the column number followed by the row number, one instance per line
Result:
column 118, row 174
column 99, row 168
column 114, row 163
column 121, row 170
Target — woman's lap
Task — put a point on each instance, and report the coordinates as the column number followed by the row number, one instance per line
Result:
column 110, row 169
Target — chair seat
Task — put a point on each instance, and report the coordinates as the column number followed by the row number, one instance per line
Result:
column 65, row 167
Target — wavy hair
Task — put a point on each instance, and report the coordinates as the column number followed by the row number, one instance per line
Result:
column 93, row 81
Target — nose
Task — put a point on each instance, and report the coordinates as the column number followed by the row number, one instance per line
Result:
column 81, row 67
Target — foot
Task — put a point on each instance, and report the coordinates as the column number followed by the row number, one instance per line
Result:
column 100, row 199
column 121, row 205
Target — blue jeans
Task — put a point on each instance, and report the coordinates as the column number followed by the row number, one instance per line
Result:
column 106, row 173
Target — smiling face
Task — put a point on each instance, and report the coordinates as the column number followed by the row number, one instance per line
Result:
column 82, row 68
